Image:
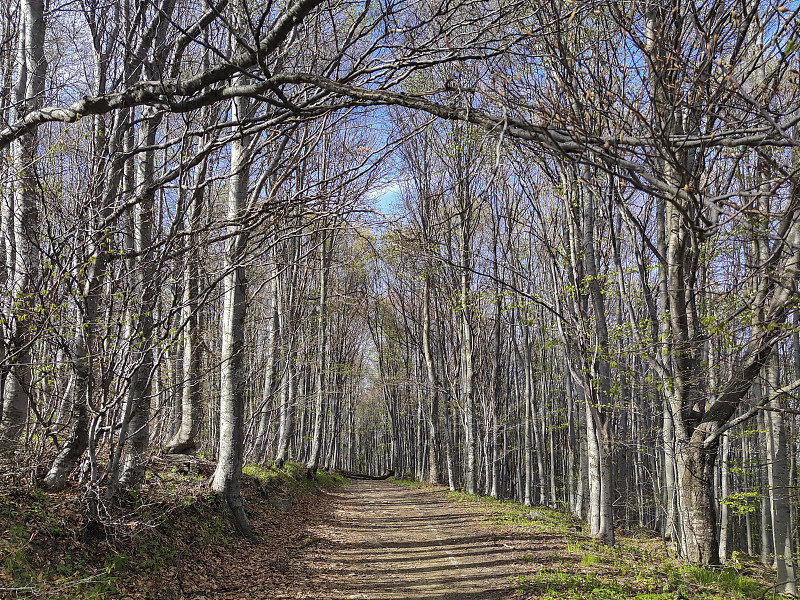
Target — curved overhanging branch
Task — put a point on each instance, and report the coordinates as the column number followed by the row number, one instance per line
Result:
column 180, row 96
column 161, row 93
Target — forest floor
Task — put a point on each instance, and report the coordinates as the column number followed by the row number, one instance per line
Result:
column 382, row 540
column 370, row 540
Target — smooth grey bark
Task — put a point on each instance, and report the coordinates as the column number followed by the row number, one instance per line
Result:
column 433, row 383
column 670, row 531
column 553, row 499
column 538, row 436
column 583, row 506
column 287, row 411
column 10, row 33
column 593, row 468
column 724, row 492
column 185, row 438
column 533, row 437
column 494, row 459
column 574, row 490
column 765, row 523
column 226, row 481
column 271, row 378
column 527, row 458
column 779, row 485
column 115, row 449
column 143, row 277
column 289, row 284
column 21, row 224
column 598, row 416
column 322, row 349
column 434, row 431
column 136, row 443
column 466, row 347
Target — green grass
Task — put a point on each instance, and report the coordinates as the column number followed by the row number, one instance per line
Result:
column 508, row 512
column 291, row 479
column 706, row 580
column 407, row 482
column 697, row 583
column 635, row 568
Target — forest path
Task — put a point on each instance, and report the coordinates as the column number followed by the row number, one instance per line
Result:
column 385, row 541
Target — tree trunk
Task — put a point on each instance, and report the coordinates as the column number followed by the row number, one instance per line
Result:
column 724, row 492
column 526, row 444
column 670, row 531
column 140, row 390
column 271, row 378
column 695, row 468
column 22, row 223
column 322, row 348
column 779, row 486
column 433, row 385
column 185, row 438
column 467, row 372
column 288, row 388
column 226, row 480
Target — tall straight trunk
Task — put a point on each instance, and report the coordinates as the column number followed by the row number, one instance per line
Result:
column 670, row 531
column 143, row 276
column 496, row 371
column 537, row 438
column 286, row 414
column 572, row 492
column 433, row 384
column 779, row 485
column 185, row 437
column 583, row 504
column 7, row 67
column 128, row 189
column 593, row 468
column 527, row 492
column 598, row 416
column 765, row 524
column 142, row 279
column 419, row 437
column 467, row 370
column 448, row 443
column 21, row 223
column 322, row 348
column 226, row 481
column 271, row 379
column 724, row 492
column 552, row 463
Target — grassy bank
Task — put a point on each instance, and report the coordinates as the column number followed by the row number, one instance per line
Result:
column 144, row 542
column 564, row 563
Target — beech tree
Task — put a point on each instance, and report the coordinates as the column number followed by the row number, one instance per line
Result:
column 589, row 276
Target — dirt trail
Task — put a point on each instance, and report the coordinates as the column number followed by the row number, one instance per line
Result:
column 385, row 541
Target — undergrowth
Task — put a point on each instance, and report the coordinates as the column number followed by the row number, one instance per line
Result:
column 50, row 548
column 407, row 482
column 635, row 568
